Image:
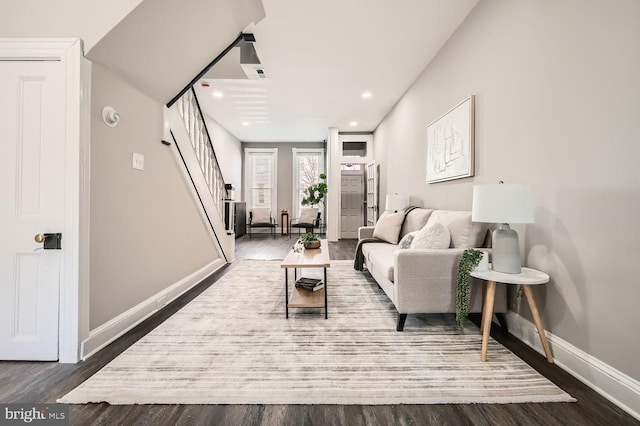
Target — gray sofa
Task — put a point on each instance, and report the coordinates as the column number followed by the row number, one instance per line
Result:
column 421, row 280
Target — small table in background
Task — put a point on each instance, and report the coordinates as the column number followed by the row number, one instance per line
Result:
column 527, row 278
column 284, row 223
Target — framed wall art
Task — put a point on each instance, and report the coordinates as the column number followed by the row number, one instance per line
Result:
column 450, row 144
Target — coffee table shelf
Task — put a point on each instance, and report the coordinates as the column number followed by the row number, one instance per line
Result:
column 308, row 258
column 301, row 298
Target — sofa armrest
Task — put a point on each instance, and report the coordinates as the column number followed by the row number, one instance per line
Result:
column 365, row 232
column 424, row 277
column 425, row 281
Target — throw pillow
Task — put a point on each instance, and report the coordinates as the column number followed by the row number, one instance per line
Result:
column 464, row 232
column 433, row 236
column 388, row 227
column 308, row 215
column 261, row 215
column 405, row 242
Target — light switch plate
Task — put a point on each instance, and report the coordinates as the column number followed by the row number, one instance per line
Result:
column 137, row 161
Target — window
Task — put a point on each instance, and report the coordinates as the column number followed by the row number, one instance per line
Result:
column 356, row 148
column 349, row 167
column 260, row 171
column 307, row 166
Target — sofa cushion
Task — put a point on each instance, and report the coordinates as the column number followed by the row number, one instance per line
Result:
column 405, row 242
column 416, row 220
column 388, row 227
column 432, row 236
column 382, row 261
column 369, row 248
column 464, row 232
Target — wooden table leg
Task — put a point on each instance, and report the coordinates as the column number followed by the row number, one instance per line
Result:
column 536, row 318
column 487, row 314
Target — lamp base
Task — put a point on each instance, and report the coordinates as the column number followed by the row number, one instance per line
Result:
column 506, row 250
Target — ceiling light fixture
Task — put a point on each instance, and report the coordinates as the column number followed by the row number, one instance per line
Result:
column 217, row 94
column 353, row 124
column 366, row 95
column 245, row 123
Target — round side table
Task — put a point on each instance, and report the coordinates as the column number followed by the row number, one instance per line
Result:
column 527, row 278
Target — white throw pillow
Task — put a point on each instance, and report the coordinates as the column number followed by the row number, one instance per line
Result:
column 388, row 227
column 405, row 242
column 464, row 232
column 261, row 215
column 433, row 236
column 308, row 215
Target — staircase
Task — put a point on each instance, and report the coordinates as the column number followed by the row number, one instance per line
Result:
column 188, row 132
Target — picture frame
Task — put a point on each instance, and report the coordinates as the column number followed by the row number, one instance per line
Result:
column 451, row 144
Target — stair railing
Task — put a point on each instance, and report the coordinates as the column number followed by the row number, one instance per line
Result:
column 191, row 114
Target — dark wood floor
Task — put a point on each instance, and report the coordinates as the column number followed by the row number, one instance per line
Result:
column 44, row 382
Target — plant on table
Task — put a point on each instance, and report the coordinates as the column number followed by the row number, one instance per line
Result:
column 309, row 236
column 470, row 259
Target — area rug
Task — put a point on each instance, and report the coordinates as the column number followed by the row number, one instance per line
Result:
column 233, row 345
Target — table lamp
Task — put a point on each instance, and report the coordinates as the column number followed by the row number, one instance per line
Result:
column 503, row 203
column 396, row 202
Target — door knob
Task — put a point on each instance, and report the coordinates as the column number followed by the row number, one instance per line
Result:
column 51, row 241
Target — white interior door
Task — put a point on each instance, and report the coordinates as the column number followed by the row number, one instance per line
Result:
column 32, row 159
column 351, row 206
column 372, row 193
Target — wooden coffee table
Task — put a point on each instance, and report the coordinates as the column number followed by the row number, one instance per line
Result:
column 308, row 258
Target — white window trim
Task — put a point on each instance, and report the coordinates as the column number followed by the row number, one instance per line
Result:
column 295, row 178
column 274, row 176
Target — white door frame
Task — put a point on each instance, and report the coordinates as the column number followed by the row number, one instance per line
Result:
column 74, row 275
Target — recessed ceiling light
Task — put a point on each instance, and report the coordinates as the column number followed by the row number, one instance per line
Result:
column 366, row 95
column 353, row 124
column 245, row 123
column 217, row 94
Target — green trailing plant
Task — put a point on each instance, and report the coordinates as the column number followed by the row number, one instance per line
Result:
column 470, row 259
column 315, row 193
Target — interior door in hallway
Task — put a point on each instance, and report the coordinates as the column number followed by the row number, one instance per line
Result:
column 32, row 189
column 351, row 205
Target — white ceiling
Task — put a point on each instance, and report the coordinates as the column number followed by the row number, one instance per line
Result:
column 320, row 56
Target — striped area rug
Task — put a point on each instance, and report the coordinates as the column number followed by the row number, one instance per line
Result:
column 233, row 345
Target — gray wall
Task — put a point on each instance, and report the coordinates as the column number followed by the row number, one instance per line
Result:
column 285, row 168
column 558, row 108
column 228, row 151
column 146, row 232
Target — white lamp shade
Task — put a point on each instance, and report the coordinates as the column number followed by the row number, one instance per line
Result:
column 396, row 202
column 502, row 203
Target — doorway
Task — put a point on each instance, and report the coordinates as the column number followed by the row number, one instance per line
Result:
column 352, row 200
column 45, row 118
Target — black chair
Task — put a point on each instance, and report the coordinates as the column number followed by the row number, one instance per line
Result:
column 262, row 221
column 305, row 224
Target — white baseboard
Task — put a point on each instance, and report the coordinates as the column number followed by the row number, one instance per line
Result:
column 111, row 330
column 617, row 387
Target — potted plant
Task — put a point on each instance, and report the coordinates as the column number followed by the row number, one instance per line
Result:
column 315, row 193
column 309, row 240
